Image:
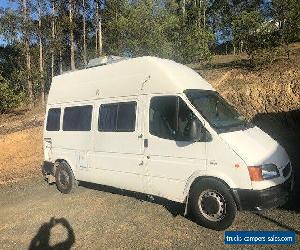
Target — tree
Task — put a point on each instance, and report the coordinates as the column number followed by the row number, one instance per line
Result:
column 99, row 44
column 52, row 37
column 286, row 15
column 246, row 29
column 84, row 32
column 40, row 7
column 8, row 99
column 72, row 43
column 26, row 39
column 196, row 44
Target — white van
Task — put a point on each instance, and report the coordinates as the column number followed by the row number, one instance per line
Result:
column 154, row 126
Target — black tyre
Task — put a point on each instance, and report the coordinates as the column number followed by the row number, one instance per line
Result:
column 212, row 204
column 64, row 178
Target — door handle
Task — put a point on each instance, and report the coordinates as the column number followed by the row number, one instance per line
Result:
column 145, row 143
column 212, row 162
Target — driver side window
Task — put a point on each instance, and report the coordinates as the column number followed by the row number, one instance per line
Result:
column 170, row 118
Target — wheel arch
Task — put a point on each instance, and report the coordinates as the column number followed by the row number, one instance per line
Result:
column 60, row 160
column 199, row 178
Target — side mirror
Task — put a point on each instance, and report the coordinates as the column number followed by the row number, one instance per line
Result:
column 196, row 131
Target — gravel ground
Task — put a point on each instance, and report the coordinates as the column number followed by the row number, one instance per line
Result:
column 34, row 213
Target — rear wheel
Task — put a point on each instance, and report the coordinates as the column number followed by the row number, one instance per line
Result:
column 64, row 178
column 212, row 204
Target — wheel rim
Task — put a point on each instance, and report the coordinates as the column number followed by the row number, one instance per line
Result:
column 64, row 178
column 212, row 205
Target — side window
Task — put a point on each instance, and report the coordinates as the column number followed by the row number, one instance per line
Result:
column 117, row 117
column 170, row 118
column 77, row 118
column 162, row 118
column 126, row 116
column 108, row 117
column 53, row 119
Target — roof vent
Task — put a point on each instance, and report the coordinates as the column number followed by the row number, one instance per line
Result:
column 104, row 60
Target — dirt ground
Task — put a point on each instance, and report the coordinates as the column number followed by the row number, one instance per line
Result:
column 32, row 212
column 96, row 217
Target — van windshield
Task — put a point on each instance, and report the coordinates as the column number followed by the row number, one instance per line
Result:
column 216, row 110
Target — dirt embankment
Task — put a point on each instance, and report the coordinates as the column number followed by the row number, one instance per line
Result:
column 271, row 89
column 21, row 151
column 21, row 154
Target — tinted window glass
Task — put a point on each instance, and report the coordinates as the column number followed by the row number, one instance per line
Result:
column 163, row 116
column 108, row 117
column 126, row 116
column 77, row 118
column 170, row 118
column 216, row 110
column 118, row 117
column 53, row 119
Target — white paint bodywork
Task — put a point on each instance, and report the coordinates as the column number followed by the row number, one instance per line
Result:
column 165, row 168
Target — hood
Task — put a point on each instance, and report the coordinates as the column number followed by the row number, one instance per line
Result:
column 256, row 147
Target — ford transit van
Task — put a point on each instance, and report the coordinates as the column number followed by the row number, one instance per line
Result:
column 154, row 126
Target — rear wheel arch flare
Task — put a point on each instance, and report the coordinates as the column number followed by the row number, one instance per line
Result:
column 58, row 161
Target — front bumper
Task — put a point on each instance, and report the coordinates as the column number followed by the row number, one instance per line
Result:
column 263, row 199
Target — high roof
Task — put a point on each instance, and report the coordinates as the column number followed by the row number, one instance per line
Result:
column 142, row 75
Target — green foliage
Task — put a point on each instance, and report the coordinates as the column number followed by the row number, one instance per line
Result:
column 195, row 45
column 141, row 29
column 9, row 100
column 259, row 38
column 264, row 56
column 287, row 15
column 247, row 29
column 186, row 31
column 146, row 28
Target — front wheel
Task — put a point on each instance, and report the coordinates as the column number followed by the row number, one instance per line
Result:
column 212, row 204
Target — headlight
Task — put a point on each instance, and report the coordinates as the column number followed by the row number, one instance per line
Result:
column 263, row 172
column 269, row 171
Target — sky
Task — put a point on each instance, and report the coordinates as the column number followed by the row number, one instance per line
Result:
column 6, row 4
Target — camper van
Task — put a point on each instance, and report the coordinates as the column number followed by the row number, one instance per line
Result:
column 154, row 126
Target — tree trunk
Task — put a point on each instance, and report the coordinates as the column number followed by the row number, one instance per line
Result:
column 199, row 13
column 98, row 31
column 96, row 28
column 71, row 35
column 100, row 36
column 84, row 33
column 53, row 39
column 27, row 53
column 96, row 42
column 183, row 7
column 41, row 56
column 204, row 15
column 60, row 62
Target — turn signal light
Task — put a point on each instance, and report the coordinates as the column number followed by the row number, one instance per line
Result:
column 255, row 173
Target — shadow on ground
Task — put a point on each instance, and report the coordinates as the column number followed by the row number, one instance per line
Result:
column 172, row 207
column 42, row 238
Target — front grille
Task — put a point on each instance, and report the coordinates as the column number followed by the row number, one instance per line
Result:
column 286, row 170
